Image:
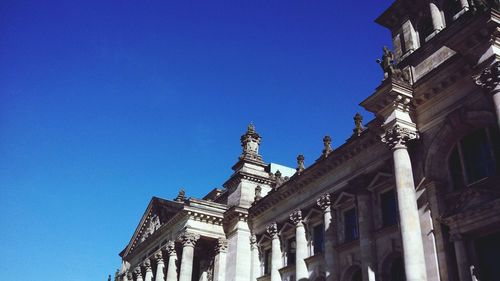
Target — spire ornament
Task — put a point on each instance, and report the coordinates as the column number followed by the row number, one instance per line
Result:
column 327, row 143
column 250, row 142
column 358, row 125
column 300, row 163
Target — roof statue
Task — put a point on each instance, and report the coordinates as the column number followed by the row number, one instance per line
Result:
column 181, row 196
column 389, row 66
column 327, row 149
column 358, row 125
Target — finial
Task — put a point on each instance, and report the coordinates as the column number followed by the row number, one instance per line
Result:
column 327, row 143
column 300, row 163
column 250, row 142
column 181, row 196
column 358, row 125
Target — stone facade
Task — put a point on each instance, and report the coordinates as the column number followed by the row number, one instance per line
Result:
column 413, row 195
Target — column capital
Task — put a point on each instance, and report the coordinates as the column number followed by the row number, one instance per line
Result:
column 272, row 230
column 189, row 239
column 324, row 202
column 158, row 257
column 253, row 242
column 296, row 217
column 489, row 79
column 138, row 272
column 147, row 265
column 397, row 137
column 130, row 276
column 221, row 246
column 170, row 247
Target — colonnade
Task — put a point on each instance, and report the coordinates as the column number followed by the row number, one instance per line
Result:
column 188, row 240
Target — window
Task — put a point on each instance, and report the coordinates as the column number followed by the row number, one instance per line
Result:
column 267, row 261
column 318, row 239
column 451, row 8
column 389, row 208
column 474, row 157
column 350, row 225
column 291, row 248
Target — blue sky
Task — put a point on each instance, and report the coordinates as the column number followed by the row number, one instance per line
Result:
column 104, row 104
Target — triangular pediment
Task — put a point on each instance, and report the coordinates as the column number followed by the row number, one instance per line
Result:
column 344, row 199
column 157, row 214
column 379, row 179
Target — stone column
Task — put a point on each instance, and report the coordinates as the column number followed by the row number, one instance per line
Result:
column 138, row 274
column 437, row 19
column 396, row 138
column 463, row 264
column 489, row 80
column 325, row 204
column 367, row 245
column 188, row 243
column 276, row 262
column 254, row 249
column 220, row 260
column 160, row 266
column 172, row 260
column 149, row 271
column 301, row 272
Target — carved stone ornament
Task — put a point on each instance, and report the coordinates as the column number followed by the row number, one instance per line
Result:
column 258, row 193
column 272, row 230
column 300, row 163
column 130, row 276
column 138, row 272
column 158, row 257
column 250, row 142
column 324, row 202
column 398, row 137
column 327, row 146
column 296, row 217
column 358, row 125
column 153, row 224
column 170, row 247
column 181, row 196
column 147, row 265
column 278, row 179
column 489, row 79
column 189, row 239
column 253, row 242
column 221, row 245
column 389, row 66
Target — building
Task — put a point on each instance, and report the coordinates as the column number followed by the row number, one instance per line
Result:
column 414, row 194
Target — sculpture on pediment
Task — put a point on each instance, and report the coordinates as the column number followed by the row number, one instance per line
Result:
column 389, row 66
column 153, row 224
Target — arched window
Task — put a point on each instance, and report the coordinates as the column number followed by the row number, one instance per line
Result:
column 425, row 27
column 475, row 157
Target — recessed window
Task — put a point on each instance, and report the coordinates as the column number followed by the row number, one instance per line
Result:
column 291, row 249
column 389, row 208
column 267, row 261
column 318, row 239
column 474, row 157
column 350, row 225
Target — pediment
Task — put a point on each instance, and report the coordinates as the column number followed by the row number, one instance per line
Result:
column 472, row 198
column 344, row 199
column 157, row 214
column 379, row 179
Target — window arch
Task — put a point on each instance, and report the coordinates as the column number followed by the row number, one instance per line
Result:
column 474, row 157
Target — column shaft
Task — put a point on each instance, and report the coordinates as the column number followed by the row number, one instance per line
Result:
column 172, row 268
column 149, row 272
column 367, row 245
column 186, row 263
column 276, row 262
column 408, row 213
column 220, row 260
column 463, row 265
column 160, row 266
column 255, row 272
column 301, row 253
column 496, row 104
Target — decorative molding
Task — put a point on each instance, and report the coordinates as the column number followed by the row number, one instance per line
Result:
column 272, row 230
column 296, row 217
column 324, row 202
column 398, row 137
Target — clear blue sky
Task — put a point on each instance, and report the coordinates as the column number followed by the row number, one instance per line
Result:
column 104, row 104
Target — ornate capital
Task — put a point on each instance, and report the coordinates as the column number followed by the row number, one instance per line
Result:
column 221, row 245
column 159, row 257
column 253, row 242
column 398, row 137
column 138, row 272
column 300, row 163
column 296, row 217
column 272, row 230
column 189, row 239
column 130, row 276
column 324, row 202
column 489, row 79
column 147, row 264
column 170, row 247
